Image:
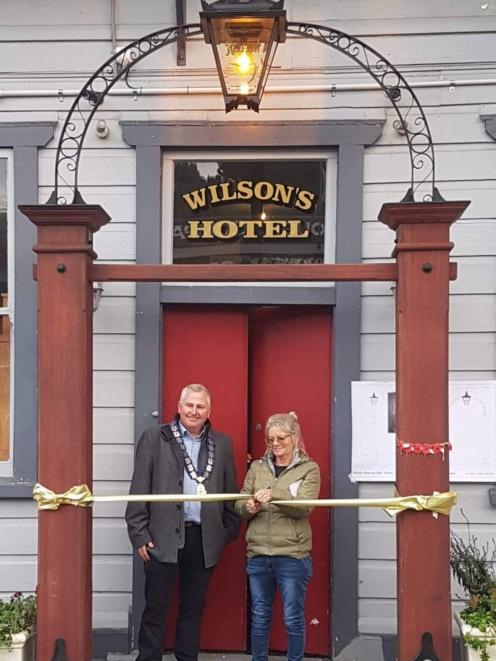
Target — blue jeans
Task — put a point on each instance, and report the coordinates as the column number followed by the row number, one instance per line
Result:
column 291, row 576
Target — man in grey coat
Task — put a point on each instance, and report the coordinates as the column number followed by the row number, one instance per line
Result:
column 184, row 456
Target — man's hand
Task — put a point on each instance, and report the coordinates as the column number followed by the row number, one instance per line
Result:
column 263, row 496
column 252, row 506
column 143, row 551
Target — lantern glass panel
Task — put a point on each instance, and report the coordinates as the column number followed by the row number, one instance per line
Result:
column 242, row 48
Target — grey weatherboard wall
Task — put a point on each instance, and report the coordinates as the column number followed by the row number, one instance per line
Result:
column 350, row 137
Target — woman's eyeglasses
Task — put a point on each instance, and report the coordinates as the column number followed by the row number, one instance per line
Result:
column 272, row 440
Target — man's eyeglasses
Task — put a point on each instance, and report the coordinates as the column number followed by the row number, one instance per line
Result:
column 272, row 440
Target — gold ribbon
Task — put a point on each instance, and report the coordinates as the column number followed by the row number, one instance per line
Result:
column 81, row 496
column 438, row 503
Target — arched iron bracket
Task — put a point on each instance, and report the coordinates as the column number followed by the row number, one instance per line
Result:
column 412, row 120
column 92, row 96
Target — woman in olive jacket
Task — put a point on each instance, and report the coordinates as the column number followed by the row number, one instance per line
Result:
column 279, row 537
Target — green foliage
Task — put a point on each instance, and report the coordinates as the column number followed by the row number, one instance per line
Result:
column 16, row 615
column 473, row 567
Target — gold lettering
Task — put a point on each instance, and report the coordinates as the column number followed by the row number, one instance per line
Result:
column 247, row 229
column 304, row 200
column 214, row 197
column 250, row 226
column 195, row 199
column 230, row 231
column 294, row 227
column 275, row 229
column 226, row 196
column 200, row 229
column 283, row 193
column 245, row 190
column 263, row 190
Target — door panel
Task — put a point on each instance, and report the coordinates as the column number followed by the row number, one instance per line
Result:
column 209, row 346
column 290, row 368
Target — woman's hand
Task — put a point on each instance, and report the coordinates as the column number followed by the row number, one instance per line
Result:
column 252, row 506
column 263, row 496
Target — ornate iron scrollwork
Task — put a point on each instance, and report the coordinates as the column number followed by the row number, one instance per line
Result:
column 412, row 122
column 90, row 99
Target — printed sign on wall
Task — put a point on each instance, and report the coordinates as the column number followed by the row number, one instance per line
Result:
column 472, row 424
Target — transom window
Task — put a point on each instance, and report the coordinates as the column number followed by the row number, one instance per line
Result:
column 227, row 208
column 249, row 212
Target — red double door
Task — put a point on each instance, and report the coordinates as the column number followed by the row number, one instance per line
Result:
column 257, row 361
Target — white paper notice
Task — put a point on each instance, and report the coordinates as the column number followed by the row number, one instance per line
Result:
column 472, row 430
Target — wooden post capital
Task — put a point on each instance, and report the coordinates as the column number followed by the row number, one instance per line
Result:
column 91, row 216
column 395, row 214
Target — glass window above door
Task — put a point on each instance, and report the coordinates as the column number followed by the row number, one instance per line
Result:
column 249, row 212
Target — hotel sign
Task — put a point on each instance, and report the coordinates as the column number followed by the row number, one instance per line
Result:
column 235, row 216
column 260, row 228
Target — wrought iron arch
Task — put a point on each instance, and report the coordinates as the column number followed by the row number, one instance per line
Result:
column 93, row 93
column 412, row 122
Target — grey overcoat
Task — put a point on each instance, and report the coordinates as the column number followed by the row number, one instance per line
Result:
column 159, row 469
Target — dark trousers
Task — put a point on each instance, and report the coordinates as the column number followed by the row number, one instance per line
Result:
column 160, row 579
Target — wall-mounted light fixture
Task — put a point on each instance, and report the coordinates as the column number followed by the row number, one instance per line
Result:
column 97, row 295
column 466, row 398
column 244, row 35
column 374, row 399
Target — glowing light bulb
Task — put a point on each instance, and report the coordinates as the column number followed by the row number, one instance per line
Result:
column 263, row 215
column 244, row 89
column 243, row 63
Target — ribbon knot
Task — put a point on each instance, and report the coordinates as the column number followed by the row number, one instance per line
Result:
column 80, row 496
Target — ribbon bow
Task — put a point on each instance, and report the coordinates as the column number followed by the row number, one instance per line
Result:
column 80, row 496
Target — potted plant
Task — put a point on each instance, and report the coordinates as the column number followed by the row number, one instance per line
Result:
column 17, row 627
column 472, row 565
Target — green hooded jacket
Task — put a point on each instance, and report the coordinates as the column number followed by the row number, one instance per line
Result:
column 280, row 529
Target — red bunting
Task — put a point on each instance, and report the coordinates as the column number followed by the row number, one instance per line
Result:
column 424, row 449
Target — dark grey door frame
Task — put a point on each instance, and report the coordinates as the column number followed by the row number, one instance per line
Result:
column 349, row 137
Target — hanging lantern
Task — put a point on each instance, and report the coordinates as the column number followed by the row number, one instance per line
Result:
column 244, row 35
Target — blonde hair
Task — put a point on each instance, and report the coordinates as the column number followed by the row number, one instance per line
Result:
column 288, row 423
column 194, row 387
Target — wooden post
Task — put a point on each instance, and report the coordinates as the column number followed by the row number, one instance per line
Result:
column 65, row 309
column 423, row 548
